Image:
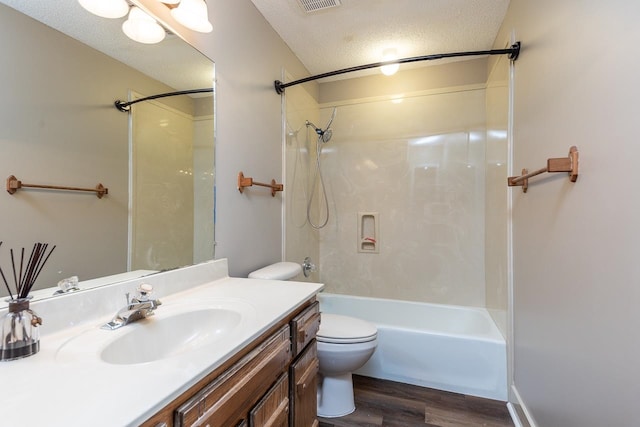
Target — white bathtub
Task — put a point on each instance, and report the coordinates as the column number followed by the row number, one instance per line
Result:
column 446, row 347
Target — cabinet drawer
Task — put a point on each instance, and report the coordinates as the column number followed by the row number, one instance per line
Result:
column 222, row 402
column 303, row 393
column 304, row 327
column 273, row 409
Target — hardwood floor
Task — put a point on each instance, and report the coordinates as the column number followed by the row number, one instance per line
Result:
column 392, row 404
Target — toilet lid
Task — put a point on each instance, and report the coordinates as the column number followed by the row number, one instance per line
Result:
column 335, row 328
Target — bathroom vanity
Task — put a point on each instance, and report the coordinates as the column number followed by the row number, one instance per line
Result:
column 268, row 383
column 219, row 351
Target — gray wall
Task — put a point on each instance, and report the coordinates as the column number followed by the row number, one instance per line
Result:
column 55, row 129
column 576, row 246
column 249, row 56
column 575, row 294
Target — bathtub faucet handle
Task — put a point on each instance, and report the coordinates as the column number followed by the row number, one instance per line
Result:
column 308, row 267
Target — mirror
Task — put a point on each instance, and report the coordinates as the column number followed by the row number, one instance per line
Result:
column 58, row 126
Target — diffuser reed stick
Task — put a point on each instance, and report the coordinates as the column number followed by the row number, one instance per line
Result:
column 4, row 279
column 25, row 277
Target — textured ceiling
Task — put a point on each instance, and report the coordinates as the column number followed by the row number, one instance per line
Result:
column 187, row 69
column 358, row 31
column 354, row 33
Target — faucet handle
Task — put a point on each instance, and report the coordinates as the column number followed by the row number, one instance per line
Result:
column 145, row 287
column 143, row 292
column 308, row 267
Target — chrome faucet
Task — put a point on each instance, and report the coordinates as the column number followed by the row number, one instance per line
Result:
column 139, row 307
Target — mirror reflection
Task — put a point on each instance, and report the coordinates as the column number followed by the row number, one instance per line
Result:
column 59, row 126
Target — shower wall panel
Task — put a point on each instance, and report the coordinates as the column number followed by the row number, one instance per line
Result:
column 301, row 240
column 420, row 163
column 496, row 255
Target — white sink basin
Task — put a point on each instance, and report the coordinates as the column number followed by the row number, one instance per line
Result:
column 166, row 337
column 170, row 333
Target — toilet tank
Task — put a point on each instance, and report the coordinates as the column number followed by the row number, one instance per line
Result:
column 277, row 271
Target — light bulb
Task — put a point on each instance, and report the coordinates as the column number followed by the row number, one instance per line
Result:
column 106, row 8
column 193, row 14
column 389, row 55
column 142, row 28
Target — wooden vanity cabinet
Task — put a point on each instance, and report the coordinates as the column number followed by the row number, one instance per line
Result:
column 271, row 383
column 225, row 401
column 273, row 409
column 304, row 385
column 304, row 327
column 304, row 368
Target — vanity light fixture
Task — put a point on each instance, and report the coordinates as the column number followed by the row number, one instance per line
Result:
column 106, row 9
column 389, row 55
column 193, row 14
column 142, row 28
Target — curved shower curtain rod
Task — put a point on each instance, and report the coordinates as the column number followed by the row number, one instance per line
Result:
column 512, row 51
column 125, row 107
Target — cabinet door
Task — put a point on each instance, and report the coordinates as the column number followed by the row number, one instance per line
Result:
column 304, row 384
column 273, row 409
column 227, row 400
column 304, row 327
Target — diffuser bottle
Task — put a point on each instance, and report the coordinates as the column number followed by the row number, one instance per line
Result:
column 19, row 331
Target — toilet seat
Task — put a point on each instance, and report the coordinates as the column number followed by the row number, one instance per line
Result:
column 338, row 329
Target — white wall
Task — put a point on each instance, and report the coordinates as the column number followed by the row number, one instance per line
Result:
column 576, row 245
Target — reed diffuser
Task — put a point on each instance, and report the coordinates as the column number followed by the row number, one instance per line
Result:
column 19, row 328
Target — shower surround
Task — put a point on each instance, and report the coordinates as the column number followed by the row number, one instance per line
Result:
column 420, row 164
column 431, row 168
column 431, row 163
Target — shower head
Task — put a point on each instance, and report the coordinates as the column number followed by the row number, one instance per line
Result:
column 323, row 135
column 326, row 134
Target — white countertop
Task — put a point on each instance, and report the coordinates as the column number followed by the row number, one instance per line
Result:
column 53, row 389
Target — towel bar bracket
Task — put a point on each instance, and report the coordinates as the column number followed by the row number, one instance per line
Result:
column 567, row 164
column 248, row 182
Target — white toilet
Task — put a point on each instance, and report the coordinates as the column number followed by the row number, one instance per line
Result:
column 344, row 345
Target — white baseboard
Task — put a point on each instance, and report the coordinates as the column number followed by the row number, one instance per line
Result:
column 515, row 415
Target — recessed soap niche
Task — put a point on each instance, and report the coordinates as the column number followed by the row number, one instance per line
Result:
column 368, row 233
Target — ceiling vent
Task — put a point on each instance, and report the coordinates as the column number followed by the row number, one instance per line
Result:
column 315, row 5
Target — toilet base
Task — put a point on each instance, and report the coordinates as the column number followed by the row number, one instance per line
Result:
column 335, row 396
